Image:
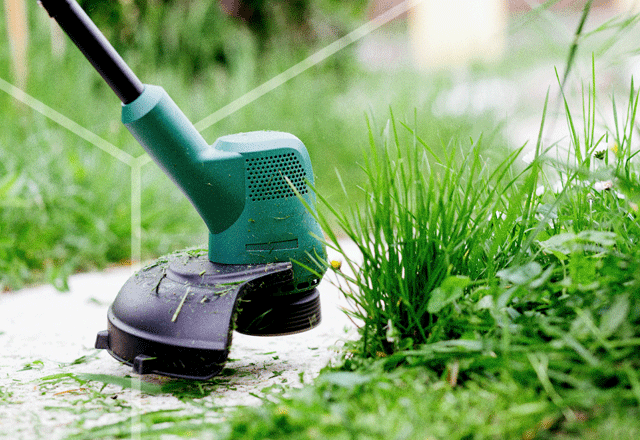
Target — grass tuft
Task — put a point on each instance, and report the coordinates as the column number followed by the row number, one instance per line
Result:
column 434, row 223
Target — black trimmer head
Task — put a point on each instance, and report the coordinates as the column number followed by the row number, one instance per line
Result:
column 175, row 317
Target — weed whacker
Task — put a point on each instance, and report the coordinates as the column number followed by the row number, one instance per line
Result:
column 175, row 317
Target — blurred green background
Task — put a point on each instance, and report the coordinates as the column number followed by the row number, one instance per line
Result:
column 65, row 205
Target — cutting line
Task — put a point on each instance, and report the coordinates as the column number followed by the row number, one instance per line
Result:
column 65, row 122
column 306, row 64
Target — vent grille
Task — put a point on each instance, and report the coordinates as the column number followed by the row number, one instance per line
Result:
column 266, row 177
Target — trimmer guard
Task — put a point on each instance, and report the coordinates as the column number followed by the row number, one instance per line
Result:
column 176, row 316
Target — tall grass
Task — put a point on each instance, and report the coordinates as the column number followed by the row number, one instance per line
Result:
column 497, row 273
column 439, row 223
column 433, row 222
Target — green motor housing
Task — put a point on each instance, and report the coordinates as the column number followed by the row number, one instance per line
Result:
column 274, row 226
column 246, row 187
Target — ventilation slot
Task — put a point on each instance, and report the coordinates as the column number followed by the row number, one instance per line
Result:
column 266, row 177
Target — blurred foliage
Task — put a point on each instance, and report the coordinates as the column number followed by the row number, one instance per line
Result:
column 200, row 35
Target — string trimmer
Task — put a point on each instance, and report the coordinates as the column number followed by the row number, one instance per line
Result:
column 175, row 317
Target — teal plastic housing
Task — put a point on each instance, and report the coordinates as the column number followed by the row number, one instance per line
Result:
column 245, row 186
column 274, row 225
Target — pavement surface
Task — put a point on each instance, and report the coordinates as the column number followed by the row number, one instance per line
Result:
column 47, row 338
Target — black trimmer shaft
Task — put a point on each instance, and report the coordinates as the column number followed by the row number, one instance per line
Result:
column 95, row 47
